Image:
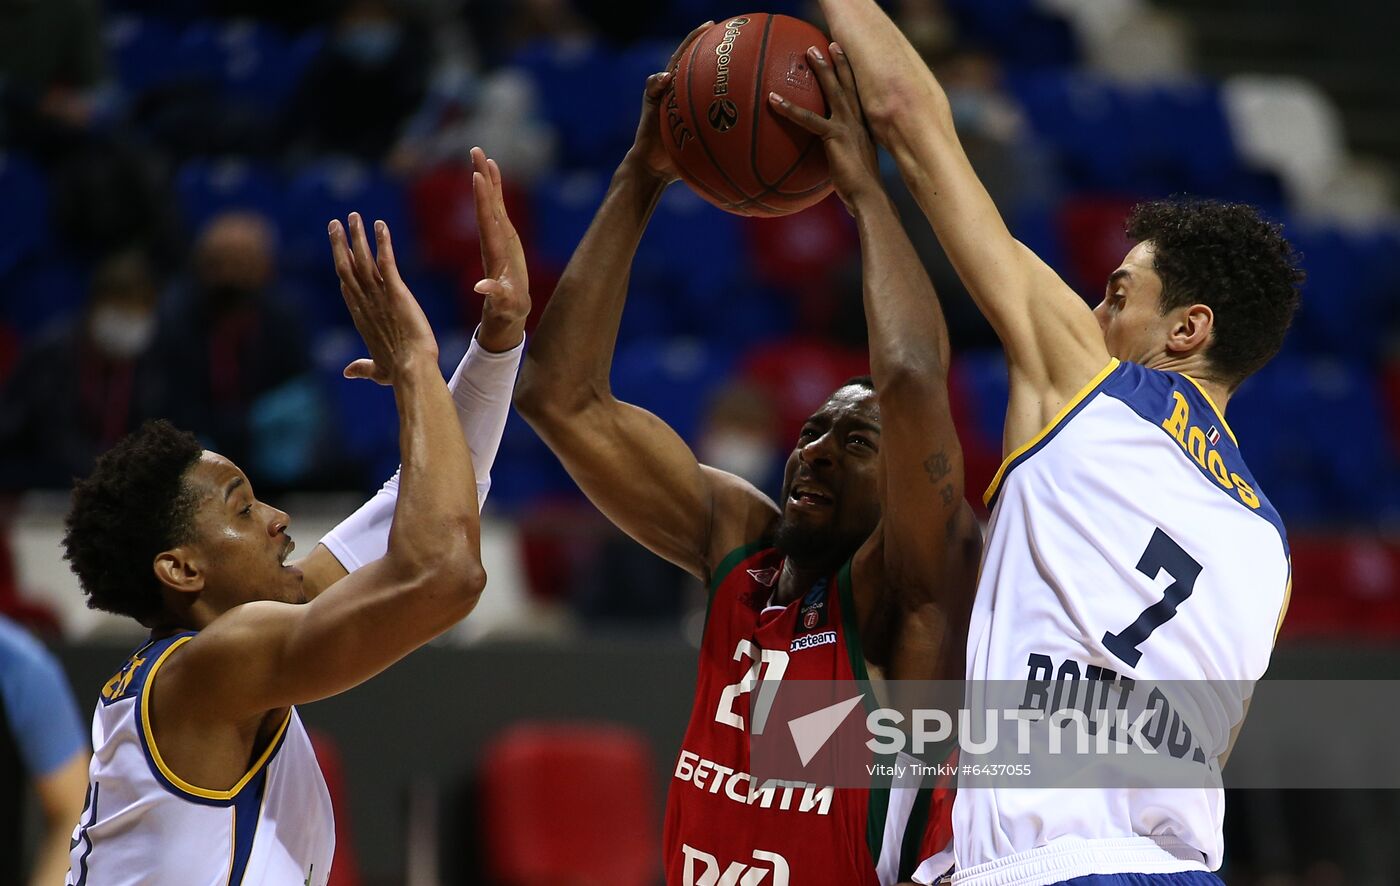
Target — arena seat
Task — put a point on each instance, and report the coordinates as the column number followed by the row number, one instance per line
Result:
column 40, row 293
column 345, row 869
column 209, row 187
column 584, row 95
column 570, row 803
column 672, row 378
column 144, row 52
column 24, row 211
column 333, row 188
column 562, row 207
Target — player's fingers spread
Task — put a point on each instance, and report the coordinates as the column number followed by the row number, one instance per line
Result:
column 365, row 273
column 340, row 251
column 814, row 123
column 844, row 72
column 388, row 267
column 831, row 86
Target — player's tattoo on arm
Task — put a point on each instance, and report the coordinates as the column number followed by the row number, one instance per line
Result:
column 948, row 493
column 937, row 467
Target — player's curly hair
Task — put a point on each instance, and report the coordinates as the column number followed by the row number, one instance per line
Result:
column 133, row 505
column 1226, row 256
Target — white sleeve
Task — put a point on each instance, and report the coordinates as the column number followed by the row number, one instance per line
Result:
column 481, row 389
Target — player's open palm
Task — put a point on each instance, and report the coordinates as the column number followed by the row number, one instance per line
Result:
column 850, row 154
column 648, row 148
column 506, row 285
column 385, row 312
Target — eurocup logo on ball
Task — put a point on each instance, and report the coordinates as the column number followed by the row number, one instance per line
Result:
column 723, row 115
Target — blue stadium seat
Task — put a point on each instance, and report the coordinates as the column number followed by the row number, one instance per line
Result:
column 691, row 250
column 261, row 66
column 562, row 207
column 672, row 378
column 1349, row 297
column 1312, row 432
column 585, row 95
column 1020, row 31
column 333, row 188
column 1081, row 116
column 984, row 374
column 145, row 52
column 209, row 187
column 24, row 210
column 41, row 293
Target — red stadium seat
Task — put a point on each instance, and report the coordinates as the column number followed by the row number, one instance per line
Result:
column 570, row 803
column 345, row 869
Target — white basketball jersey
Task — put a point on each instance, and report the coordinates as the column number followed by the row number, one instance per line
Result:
column 143, row 826
column 1127, row 541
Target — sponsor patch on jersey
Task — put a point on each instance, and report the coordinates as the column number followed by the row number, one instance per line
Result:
column 1213, row 435
column 810, row 641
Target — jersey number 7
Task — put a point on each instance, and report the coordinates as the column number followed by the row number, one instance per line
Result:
column 1162, row 554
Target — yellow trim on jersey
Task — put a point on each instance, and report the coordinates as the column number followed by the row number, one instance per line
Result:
column 170, row 776
column 1218, row 414
column 1287, row 598
column 232, row 842
column 1045, row 431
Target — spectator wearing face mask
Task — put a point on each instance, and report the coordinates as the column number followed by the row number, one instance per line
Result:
column 75, row 392
column 365, row 85
column 229, row 336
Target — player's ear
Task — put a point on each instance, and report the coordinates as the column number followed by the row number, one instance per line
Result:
column 180, row 570
column 1192, row 329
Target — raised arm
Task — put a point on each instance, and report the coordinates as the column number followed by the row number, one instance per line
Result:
column 265, row 655
column 626, row 460
column 923, row 558
column 1053, row 343
column 481, row 387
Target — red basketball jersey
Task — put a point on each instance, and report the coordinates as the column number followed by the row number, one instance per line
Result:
column 723, row 828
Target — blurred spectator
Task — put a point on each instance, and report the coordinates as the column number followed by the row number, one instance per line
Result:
column 739, row 435
column 42, row 743
column 367, row 82
column 229, row 336
column 75, row 393
column 50, row 66
column 502, row 26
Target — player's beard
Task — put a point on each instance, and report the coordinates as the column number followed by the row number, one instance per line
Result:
column 812, row 546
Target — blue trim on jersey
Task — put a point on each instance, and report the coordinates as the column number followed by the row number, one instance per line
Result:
column 1048, row 434
column 247, row 812
column 127, row 683
column 1183, row 878
column 140, row 665
column 1156, row 396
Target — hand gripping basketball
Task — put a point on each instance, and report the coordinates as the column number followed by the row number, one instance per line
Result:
column 850, row 153
column 647, row 150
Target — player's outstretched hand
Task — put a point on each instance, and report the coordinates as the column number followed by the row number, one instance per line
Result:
column 384, row 310
column 850, row 153
column 507, row 282
column 648, row 151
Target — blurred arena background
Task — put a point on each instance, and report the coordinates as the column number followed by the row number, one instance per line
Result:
column 166, row 173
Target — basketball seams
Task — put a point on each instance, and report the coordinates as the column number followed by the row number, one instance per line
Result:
column 758, row 105
column 700, row 135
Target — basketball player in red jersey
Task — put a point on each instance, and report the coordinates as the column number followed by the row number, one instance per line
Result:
column 867, row 564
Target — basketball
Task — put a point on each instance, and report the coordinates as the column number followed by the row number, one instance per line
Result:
column 720, row 130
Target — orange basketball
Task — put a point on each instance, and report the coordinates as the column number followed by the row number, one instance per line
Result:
column 725, row 138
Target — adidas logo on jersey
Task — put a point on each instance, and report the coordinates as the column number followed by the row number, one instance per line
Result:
column 737, row 873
